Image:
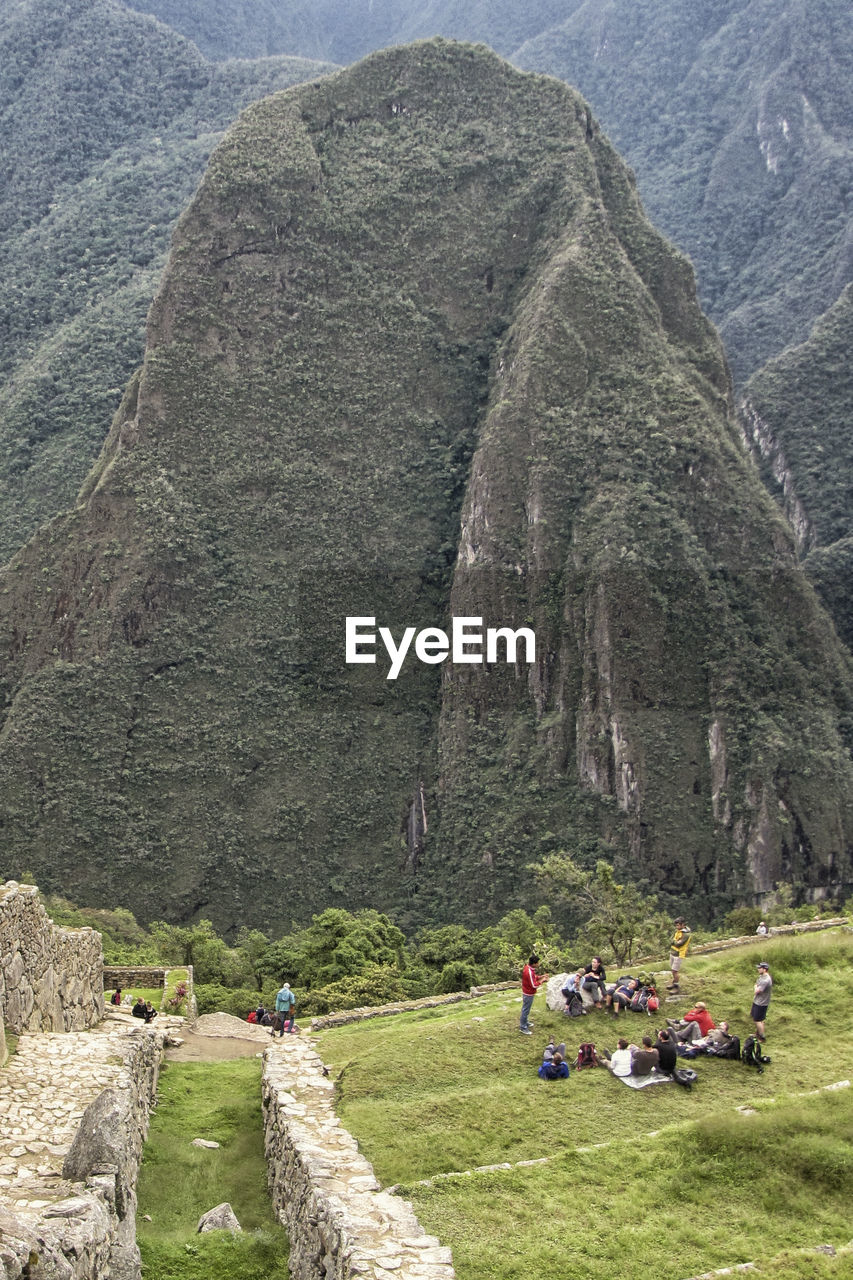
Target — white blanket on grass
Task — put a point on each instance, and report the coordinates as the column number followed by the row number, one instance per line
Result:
column 640, row 1082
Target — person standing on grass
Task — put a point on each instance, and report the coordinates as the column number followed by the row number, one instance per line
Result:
column 761, row 999
column 677, row 951
column 531, row 981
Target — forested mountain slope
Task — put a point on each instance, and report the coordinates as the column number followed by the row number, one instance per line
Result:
column 798, row 414
column 418, row 351
column 107, row 119
column 736, row 116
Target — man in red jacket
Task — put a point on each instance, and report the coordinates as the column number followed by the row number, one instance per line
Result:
column 530, row 983
column 696, row 1023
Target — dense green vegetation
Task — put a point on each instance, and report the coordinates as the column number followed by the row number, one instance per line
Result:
column 179, row 1182
column 683, row 1181
column 735, row 116
column 343, row 960
column 108, row 120
column 418, row 352
column 804, row 399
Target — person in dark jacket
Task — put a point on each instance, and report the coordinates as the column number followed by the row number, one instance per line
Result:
column 138, row 1009
column 594, row 981
column 667, row 1051
column 645, row 1058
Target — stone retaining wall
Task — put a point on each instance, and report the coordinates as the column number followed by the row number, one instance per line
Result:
column 75, row 1110
column 341, row 1225
column 129, row 976
column 50, row 978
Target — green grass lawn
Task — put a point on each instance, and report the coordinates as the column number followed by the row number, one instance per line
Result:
column 219, row 1101
column 456, row 1088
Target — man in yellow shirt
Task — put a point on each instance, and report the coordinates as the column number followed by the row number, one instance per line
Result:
column 678, row 950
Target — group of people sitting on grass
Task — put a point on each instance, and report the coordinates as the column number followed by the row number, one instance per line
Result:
column 140, row 1009
column 693, row 1034
column 639, row 995
column 687, row 1037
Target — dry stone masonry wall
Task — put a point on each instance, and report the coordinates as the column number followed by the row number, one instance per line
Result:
column 50, row 978
column 75, row 1113
column 129, row 976
column 342, row 1225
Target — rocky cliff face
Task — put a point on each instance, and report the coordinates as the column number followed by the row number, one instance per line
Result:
column 417, row 354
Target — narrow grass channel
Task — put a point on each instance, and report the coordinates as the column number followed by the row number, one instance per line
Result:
column 221, row 1102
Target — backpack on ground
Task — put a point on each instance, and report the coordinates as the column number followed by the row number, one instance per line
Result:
column 574, row 1005
column 586, row 1056
column 685, row 1076
column 751, row 1054
column 730, row 1050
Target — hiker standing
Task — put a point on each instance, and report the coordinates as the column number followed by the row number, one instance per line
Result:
column 677, row 951
column 761, row 999
column 285, row 1002
column 530, row 983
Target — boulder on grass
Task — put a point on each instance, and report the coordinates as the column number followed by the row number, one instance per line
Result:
column 222, row 1218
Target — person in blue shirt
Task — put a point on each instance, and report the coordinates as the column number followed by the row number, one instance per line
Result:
column 285, row 1003
column 554, row 1065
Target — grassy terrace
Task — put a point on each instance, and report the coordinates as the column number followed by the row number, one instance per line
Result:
column 219, row 1101
column 684, row 1183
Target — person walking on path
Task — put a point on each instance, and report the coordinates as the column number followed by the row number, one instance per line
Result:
column 530, row 983
column 761, row 999
column 285, row 1002
column 677, row 951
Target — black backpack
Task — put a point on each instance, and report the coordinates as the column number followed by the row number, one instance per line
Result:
column 574, row 1005
column 730, row 1050
column 685, row 1076
column 751, row 1054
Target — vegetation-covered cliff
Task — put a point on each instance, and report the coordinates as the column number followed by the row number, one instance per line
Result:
column 735, row 115
column 108, row 119
column 418, row 352
column 798, row 418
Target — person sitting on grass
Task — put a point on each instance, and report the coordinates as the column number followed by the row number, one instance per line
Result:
column 623, row 994
column 667, row 1051
column 620, row 1061
column 554, row 1065
column 714, row 1040
column 645, row 1058
column 695, row 1024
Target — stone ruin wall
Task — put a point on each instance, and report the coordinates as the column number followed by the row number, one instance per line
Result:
column 129, row 976
column 51, row 979
column 68, row 1188
column 342, row 1225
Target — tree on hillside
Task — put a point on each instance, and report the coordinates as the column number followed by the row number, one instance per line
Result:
column 618, row 917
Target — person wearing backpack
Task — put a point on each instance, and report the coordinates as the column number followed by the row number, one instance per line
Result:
column 761, row 999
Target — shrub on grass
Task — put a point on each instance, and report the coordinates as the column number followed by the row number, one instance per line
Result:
column 742, row 920
column 381, row 984
column 212, row 997
column 456, row 976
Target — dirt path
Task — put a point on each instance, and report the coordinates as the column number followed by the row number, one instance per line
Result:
column 216, row 1037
